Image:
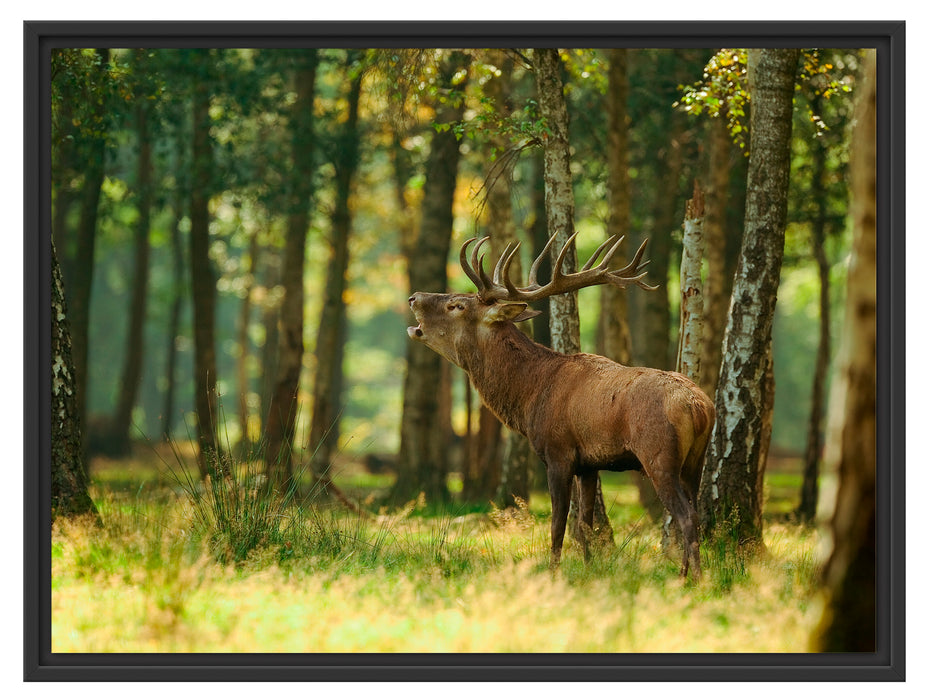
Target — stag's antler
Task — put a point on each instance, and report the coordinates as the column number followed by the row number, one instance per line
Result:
column 501, row 288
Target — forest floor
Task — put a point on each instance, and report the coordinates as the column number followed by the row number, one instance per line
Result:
column 176, row 568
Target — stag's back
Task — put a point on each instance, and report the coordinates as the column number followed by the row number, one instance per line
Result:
column 609, row 410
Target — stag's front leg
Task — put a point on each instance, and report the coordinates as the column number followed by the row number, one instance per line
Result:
column 559, row 479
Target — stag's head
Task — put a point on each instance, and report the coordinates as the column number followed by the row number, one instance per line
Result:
column 456, row 324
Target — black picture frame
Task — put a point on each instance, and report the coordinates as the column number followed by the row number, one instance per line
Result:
column 886, row 664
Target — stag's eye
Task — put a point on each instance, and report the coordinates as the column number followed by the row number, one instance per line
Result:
column 453, row 306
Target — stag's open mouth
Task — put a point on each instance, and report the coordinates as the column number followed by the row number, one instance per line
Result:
column 415, row 331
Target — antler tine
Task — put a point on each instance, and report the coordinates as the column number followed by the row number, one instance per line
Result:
column 532, row 277
column 634, row 266
column 557, row 266
column 513, row 291
column 464, row 263
column 505, row 260
column 615, row 245
column 487, row 284
column 478, row 266
column 621, row 278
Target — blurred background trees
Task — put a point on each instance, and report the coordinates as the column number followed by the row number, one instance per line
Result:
column 239, row 231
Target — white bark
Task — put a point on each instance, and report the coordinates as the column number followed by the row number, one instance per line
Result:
column 688, row 361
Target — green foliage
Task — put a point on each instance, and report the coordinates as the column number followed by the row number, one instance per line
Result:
column 723, row 91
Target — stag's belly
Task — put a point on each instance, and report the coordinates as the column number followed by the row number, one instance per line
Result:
column 624, row 462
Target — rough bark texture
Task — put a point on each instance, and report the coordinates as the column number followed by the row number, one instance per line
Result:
column 282, row 413
column 613, row 329
column 730, row 487
column 331, row 333
column 688, row 357
column 688, row 360
column 560, row 201
column 121, row 421
column 560, row 215
column 69, row 472
column 425, row 431
column 849, row 620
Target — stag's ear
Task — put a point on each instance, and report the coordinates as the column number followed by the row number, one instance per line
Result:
column 509, row 312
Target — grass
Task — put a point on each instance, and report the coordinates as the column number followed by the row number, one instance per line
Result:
column 167, row 573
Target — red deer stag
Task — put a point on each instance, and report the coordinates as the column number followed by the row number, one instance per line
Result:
column 582, row 413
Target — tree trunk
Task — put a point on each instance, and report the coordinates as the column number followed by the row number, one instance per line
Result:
column 560, row 215
column 174, row 320
column 808, row 502
column 121, row 421
column 730, row 490
column 654, row 331
column 849, row 620
column 80, row 280
column 688, row 359
column 242, row 361
column 203, row 276
column 423, row 456
column 331, row 334
column 69, row 471
column 613, row 329
column 560, row 201
column 540, row 235
column 282, row 414
column 717, row 284
column 271, row 311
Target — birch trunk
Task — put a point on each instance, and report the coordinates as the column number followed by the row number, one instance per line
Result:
column 688, row 360
column 730, row 488
column 69, row 472
column 560, row 214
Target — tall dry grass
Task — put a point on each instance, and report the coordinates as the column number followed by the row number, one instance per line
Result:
column 157, row 577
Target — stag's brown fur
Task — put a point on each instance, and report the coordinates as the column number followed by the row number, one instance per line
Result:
column 582, row 413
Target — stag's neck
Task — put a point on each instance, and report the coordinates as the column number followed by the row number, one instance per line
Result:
column 511, row 372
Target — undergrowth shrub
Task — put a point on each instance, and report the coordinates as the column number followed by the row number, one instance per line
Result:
column 236, row 510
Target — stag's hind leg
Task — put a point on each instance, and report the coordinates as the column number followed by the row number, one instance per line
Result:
column 669, row 489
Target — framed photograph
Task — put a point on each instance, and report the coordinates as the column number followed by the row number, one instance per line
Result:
column 284, row 421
